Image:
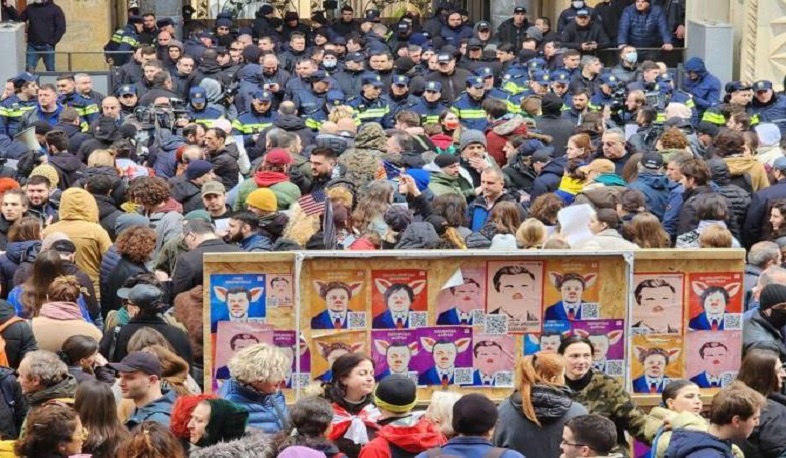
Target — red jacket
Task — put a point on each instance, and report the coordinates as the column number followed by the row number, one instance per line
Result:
column 499, row 132
column 409, row 433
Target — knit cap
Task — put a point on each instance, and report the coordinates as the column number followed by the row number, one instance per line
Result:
column 445, row 160
column 46, row 170
column 469, row 137
column 771, row 295
column 397, row 218
column 263, row 199
column 396, row 393
column 227, row 422
column 197, row 169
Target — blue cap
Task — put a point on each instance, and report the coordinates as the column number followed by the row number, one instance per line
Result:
column 484, row 72
column 356, row 57
column 434, row 86
column 335, row 97
column 475, row 81
column 444, row 57
column 372, row 15
column 516, row 74
column 609, row 79
column 779, row 163
column 24, row 77
column 541, row 77
column 318, row 75
column 264, row 96
column 400, row 80
column 762, row 85
column 536, row 63
column 371, row 78
column 560, row 76
column 735, row 86
column 197, row 94
column 126, row 89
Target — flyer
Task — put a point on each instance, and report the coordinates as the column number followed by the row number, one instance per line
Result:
column 234, row 336
column 656, row 361
column 446, row 358
column 715, row 301
column 399, row 299
column 608, row 341
column 279, row 290
column 393, row 351
column 237, row 298
column 712, row 357
column 456, row 305
column 516, row 291
column 547, row 341
column 339, row 299
column 571, row 292
column 658, row 306
column 327, row 348
column 286, row 341
column 493, row 360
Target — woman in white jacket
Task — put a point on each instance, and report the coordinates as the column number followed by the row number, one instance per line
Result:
column 603, row 225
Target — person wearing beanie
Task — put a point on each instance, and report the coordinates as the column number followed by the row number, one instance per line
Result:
column 262, row 202
column 400, row 431
column 474, row 419
column 763, row 328
column 217, row 420
column 187, row 188
column 474, row 155
column 448, row 177
column 274, row 174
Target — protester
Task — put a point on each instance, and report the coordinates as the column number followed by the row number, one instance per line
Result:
column 140, row 381
column 60, row 316
column 54, row 431
column 95, row 404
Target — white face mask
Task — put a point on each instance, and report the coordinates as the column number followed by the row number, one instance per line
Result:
column 577, row 5
column 632, row 57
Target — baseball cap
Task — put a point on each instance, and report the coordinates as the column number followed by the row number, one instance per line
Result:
column 126, row 89
column 582, row 12
column 434, row 86
column 519, row 9
column 134, row 19
column 213, row 188
column 541, row 77
column 197, row 94
column 707, row 128
column 598, row 165
column 536, row 63
column 142, row 295
column 371, row 78
column 355, row 57
column 475, row 81
column 474, row 43
column 141, row 361
column 335, row 97
column 609, row 79
column 444, row 57
column 762, row 85
column 164, row 21
column 484, row 72
column 22, row 78
column 264, row 96
column 560, row 76
column 278, row 156
column 779, row 164
column 400, row 80
column 403, row 26
column 318, row 75
column 735, row 86
column 483, row 25
column 652, row 160
column 372, row 15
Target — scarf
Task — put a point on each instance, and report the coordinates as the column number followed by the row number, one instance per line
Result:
column 353, row 427
column 266, row 179
column 61, row 311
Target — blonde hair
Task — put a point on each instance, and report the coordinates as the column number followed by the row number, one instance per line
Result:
column 340, row 112
column 715, row 236
column 101, row 158
column 440, row 411
column 531, row 234
column 259, row 363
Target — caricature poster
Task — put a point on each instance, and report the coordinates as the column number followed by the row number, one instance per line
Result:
column 656, row 361
column 715, row 301
column 233, row 337
column 327, row 348
column 608, row 339
column 287, row 342
column 493, row 360
column 446, row 358
column 712, row 357
column 571, row 291
column 515, row 290
column 338, row 299
column 399, row 298
column 657, row 304
column 393, row 351
column 237, row 298
column 279, row 291
column 457, row 305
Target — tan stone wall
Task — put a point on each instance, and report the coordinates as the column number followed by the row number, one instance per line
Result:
column 89, row 27
column 763, row 40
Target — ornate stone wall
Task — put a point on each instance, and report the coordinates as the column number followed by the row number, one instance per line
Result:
column 763, row 39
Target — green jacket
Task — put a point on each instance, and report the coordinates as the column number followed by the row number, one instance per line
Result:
column 286, row 194
column 442, row 183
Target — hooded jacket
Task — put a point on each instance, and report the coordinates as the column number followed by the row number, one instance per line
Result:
column 268, row 412
column 441, row 183
column 167, row 222
column 553, row 407
column 750, row 166
column 412, row 434
column 65, row 389
column 697, row 444
column 158, row 411
column 252, row 445
column 706, row 90
column 655, row 187
column 14, row 409
column 19, row 338
column 15, row 254
column 107, row 213
column 79, row 221
column 499, row 132
column 549, row 178
column 738, row 198
column 68, row 168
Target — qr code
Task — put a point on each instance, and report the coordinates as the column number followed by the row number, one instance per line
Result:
column 356, row 320
column 478, row 317
column 503, row 379
column 412, row 375
column 255, row 320
column 614, row 368
column 589, row 311
column 301, row 380
column 418, row 319
column 462, row 376
column 731, row 321
column 496, row 324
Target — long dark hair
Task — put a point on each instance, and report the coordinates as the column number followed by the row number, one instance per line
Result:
column 46, row 268
column 758, row 371
column 342, row 367
column 76, row 348
column 95, row 403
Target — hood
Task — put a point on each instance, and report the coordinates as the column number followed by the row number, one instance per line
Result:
column 550, row 403
column 212, row 89
column 250, row 73
column 510, row 124
column 184, row 190
column 274, row 224
column 69, row 129
column 78, row 204
column 371, row 136
column 442, row 141
column 655, row 181
column 66, row 162
column 252, row 445
column 695, row 64
column 685, row 442
column 610, row 179
column 290, row 122
column 102, row 170
column 18, row 252
column 64, row 389
column 720, row 171
column 412, row 434
column 740, row 165
column 266, row 179
column 171, row 205
column 418, row 236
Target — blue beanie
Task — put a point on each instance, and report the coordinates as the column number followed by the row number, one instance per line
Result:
column 421, row 178
column 418, row 39
column 197, row 169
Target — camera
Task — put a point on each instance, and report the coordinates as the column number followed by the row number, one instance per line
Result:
column 618, row 98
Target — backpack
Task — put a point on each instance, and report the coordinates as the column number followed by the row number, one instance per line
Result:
column 3, row 327
column 494, row 452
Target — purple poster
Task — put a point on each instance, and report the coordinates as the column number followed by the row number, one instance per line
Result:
column 446, row 358
column 285, row 340
column 607, row 337
column 493, row 360
column 393, row 352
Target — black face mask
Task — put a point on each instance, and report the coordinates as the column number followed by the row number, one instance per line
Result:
column 777, row 318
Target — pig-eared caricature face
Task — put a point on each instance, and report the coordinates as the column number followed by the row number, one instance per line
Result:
column 601, row 346
column 654, row 366
column 398, row 359
column 571, row 291
column 399, row 302
column 550, row 344
column 238, row 304
column 337, row 300
column 715, row 303
column 444, row 355
column 488, row 359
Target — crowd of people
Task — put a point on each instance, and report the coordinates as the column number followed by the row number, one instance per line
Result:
column 352, row 135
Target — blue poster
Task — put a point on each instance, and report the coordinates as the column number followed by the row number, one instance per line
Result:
column 237, row 298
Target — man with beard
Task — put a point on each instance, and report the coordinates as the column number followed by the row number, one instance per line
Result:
column 214, row 198
column 187, row 187
column 149, row 31
column 243, row 230
column 258, row 118
column 274, row 79
column 224, row 162
column 466, row 299
column 38, row 190
column 201, row 238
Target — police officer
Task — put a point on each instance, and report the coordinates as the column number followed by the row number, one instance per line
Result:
column 430, row 104
column 126, row 94
column 515, row 81
column 198, row 109
column 22, row 101
column 738, row 94
column 87, row 109
column 259, row 117
column 538, row 84
column 603, row 96
column 400, row 99
column 468, row 107
column 349, row 79
column 768, row 105
column 665, row 85
column 334, row 98
column 311, row 101
column 560, row 82
column 124, row 41
column 513, row 102
column 371, row 105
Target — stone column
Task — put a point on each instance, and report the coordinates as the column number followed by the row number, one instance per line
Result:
column 88, row 28
column 763, row 40
column 162, row 8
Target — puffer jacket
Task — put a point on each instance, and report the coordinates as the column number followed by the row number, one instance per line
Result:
column 553, row 407
column 648, row 29
column 267, row 412
column 738, row 198
column 549, row 178
column 226, row 167
column 518, row 176
column 19, row 338
column 706, row 89
column 252, row 445
column 15, row 254
column 655, row 187
column 14, row 408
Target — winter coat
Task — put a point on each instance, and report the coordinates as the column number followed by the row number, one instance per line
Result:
column 553, row 407
column 549, row 178
column 122, row 271
column 225, row 166
column 188, row 312
column 68, row 167
column 574, row 36
column 452, row 85
column 559, row 129
column 158, row 411
column 46, row 23
column 706, row 90
column 519, row 177
column 167, row 222
column 738, row 198
column 759, row 212
column 453, row 35
column 52, row 329
column 173, row 334
column 655, row 187
column 767, row 439
column 267, row 412
column 15, row 254
column 252, row 445
column 690, row 239
column 678, row 421
column 188, row 273
column 499, row 132
column 740, row 166
column 187, row 193
column 478, row 211
column 470, row 447
column 441, row 183
column 79, row 221
column 608, row 239
column 689, row 219
column 758, row 333
column 107, row 214
column 290, row 123
column 163, row 158
column 19, row 338
column 75, row 135
column 411, row 434
column 13, row 409
column 507, row 32
column 697, row 444
column 648, row 29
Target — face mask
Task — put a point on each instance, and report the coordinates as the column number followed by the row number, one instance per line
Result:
column 777, row 318
column 329, row 63
column 577, row 5
column 451, row 125
column 632, row 57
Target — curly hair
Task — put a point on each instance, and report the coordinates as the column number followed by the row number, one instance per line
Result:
column 151, row 440
column 259, row 363
column 673, row 138
column 546, row 207
column 65, row 288
column 729, row 143
column 48, row 427
column 136, row 243
column 24, row 229
column 149, row 191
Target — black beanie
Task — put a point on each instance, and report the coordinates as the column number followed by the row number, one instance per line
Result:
column 474, row 415
column 445, row 160
column 396, row 393
column 551, row 104
column 771, row 295
column 227, row 422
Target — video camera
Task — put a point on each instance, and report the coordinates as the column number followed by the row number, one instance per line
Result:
column 162, row 116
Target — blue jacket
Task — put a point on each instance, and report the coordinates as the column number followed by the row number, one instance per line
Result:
column 11, row 111
column 157, row 411
column 685, row 443
column 266, row 412
column 385, row 321
column 701, row 323
column 15, row 254
column 429, row 112
column 672, row 214
column 454, row 36
column 706, row 90
column 773, row 111
column 252, row 122
column 322, row 321
column 655, row 187
column 451, row 317
column 549, row 177
column 165, row 164
column 470, row 447
column 256, row 242
column 640, row 385
column 559, row 312
column 470, row 112
column 648, row 29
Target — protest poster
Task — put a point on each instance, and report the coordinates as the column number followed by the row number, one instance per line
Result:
column 515, row 292
column 340, row 299
column 399, row 299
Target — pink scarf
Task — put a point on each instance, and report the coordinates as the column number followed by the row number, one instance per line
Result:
column 61, row 311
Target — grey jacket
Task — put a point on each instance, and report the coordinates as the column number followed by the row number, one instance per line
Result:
column 759, row 333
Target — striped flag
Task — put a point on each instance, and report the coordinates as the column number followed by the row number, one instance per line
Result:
column 313, row 204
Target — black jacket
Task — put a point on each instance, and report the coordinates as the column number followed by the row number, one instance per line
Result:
column 13, row 409
column 757, row 332
column 107, row 214
column 189, row 265
column 187, row 193
column 75, row 136
column 738, row 198
column 759, row 212
column 174, row 335
column 114, row 281
column 19, row 339
column 519, row 177
column 68, row 167
column 558, row 128
column 15, row 254
column 452, row 85
column 767, row 439
column 225, row 167
column 689, row 217
column 573, row 36
column 46, row 23
column 509, row 33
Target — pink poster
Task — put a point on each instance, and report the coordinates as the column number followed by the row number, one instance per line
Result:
column 494, row 360
column 234, row 336
column 715, row 301
column 658, row 307
column 516, row 292
column 456, row 305
column 446, row 358
column 279, row 290
column 285, row 340
column 712, row 357
column 393, row 352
